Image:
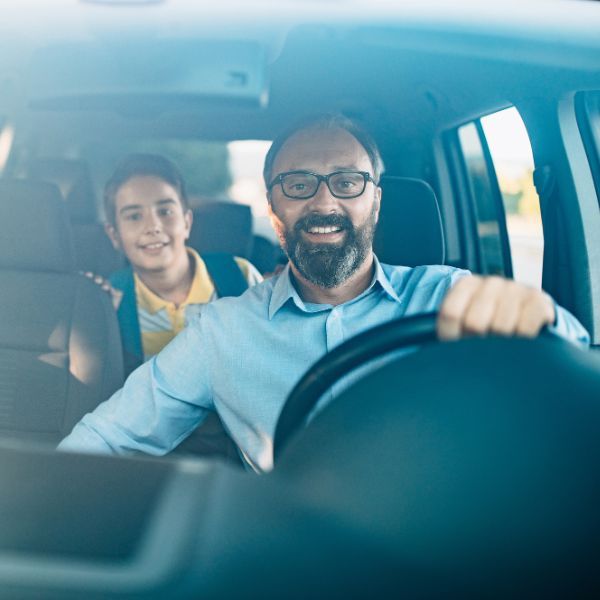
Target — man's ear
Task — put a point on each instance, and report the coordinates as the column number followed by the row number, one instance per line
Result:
column 377, row 202
column 113, row 235
column 270, row 211
column 276, row 223
column 188, row 216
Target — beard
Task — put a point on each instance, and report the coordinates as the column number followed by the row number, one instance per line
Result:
column 329, row 265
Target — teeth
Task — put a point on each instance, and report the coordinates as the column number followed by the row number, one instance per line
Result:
column 153, row 246
column 324, row 229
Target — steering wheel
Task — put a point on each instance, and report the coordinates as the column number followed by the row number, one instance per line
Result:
column 375, row 342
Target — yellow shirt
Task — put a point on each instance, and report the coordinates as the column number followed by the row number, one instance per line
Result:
column 161, row 320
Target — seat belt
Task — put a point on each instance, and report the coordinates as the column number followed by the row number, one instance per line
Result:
column 225, row 273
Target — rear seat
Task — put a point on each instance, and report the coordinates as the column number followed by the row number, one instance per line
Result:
column 227, row 227
column 60, row 350
column 222, row 227
column 93, row 250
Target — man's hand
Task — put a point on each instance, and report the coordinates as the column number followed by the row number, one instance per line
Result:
column 115, row 295
column 493, row 305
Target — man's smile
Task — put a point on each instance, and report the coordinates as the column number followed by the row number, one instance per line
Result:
column 324, row 234
column 331, row 229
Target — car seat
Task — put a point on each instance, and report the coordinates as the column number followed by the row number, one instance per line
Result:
column 409, row 231
column 60, row 350
column 94, row 252
column 222, row 227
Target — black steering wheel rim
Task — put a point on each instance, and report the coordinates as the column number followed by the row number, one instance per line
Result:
column 371, row 344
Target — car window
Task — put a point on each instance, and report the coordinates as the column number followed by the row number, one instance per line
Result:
column 485, row 207
column 246, row 159
column 588, row 105
column 7, row 134
column 498, row 169
column 511, row 154
column 213, row 170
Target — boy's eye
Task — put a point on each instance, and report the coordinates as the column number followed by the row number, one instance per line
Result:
column 133, row 216
column 165, row 212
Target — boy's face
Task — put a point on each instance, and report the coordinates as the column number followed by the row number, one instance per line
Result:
column 151, row 224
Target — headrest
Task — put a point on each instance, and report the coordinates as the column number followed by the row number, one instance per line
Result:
column 74, row 181
column 409, row 231
column 36, row 234
column 222, row 227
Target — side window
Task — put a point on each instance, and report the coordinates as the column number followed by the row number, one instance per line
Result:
column 588, row 107
column 511, row 154
column 493, row 259
column 497, row 176
column 7, row 134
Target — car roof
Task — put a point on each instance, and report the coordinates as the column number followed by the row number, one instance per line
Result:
column 440, row 62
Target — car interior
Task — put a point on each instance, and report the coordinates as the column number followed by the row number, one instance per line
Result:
column 465, row 469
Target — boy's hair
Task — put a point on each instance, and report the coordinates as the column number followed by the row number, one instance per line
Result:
column 135, row 165
column 326, row 121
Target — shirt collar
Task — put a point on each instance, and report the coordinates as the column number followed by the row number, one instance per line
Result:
column 284, row 290
column 200, row 292
column 381, row 278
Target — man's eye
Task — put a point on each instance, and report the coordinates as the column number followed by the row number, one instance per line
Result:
column 133, row 216
column 165, row 212
column 298, row 187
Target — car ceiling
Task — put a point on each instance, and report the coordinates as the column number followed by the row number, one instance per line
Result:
column 407, row 76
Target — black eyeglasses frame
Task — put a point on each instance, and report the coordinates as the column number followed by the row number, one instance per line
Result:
column 279, row 180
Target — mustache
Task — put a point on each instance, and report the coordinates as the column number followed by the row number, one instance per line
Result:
column 332, row 220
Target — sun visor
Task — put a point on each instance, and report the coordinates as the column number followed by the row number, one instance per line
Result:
column 71, row 76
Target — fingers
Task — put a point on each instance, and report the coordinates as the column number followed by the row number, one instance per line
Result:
column 482, row 305
column 455, row 305
column 537, row 311
column 105, row 286
column 116, row 296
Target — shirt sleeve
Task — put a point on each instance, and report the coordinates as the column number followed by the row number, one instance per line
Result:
column 250, row 272
column 161, row 403
column 569, row 328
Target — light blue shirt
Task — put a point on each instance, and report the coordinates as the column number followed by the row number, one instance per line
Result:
column 242, row 356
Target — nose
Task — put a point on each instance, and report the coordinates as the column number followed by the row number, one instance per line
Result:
column 323, row 201
column 152, row 223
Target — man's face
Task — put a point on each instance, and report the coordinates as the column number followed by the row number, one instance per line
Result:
column 151, row 225
column 326, row 238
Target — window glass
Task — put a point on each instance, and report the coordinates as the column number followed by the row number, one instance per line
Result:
column 484, row 202
column 246, row 160
column 213, row 170
column 590, row 129
column 511, row 154
column 7, row 134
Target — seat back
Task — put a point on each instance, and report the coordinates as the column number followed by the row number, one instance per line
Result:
column 222, row 227
column 265, row 254
column 409, row 231
column 74, row 181
column 93, row 250
column 60, row 351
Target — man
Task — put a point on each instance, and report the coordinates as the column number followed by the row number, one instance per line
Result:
column 242, row 356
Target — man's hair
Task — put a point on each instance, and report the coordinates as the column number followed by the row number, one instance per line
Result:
column 326, row 121
column 136, row 165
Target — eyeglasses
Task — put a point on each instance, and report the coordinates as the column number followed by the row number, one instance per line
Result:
column 302, row 185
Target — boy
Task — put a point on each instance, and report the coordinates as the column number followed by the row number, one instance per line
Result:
column 149, row 220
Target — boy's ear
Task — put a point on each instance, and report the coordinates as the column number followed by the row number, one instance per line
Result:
column 113, row 236
column 189, row 219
